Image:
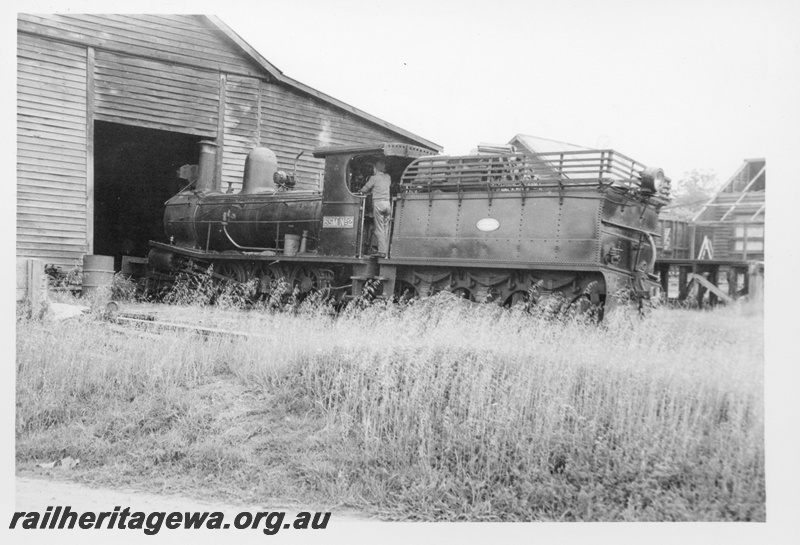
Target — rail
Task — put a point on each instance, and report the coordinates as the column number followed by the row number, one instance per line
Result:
column 524, row 171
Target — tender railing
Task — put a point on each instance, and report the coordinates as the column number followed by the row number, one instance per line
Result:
column 523, row 171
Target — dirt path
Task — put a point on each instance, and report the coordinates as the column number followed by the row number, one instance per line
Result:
column 35, row 494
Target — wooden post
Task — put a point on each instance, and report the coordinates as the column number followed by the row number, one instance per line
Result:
column 744, row 242
column 755, row 273
column 35, row 279
column 683, row 275
column 733, row 282
column 701, row 292
column 22, row 278
column 663, row 271
column 90, row 107
column 31, row 283
column 713, row 277
column 746, row 281
column 701, row 289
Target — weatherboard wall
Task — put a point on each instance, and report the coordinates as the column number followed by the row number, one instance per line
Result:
column 292, row 123
column 51, row 150
column 187, row 40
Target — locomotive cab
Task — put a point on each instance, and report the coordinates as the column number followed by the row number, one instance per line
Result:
column 359, row 170
column 346, row 228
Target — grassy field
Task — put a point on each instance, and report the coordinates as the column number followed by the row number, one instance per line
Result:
column 436, row 411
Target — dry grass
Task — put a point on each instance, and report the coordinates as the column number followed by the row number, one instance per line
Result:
column 440, row 410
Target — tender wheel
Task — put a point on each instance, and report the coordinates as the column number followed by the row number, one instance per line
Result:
column 463, row 293
column 582, row 305
column 591, row 300
column 516, row 298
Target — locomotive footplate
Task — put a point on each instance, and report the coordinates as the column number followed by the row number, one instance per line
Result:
column 257, row 256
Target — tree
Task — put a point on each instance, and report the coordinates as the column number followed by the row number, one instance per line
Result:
column 691, row 192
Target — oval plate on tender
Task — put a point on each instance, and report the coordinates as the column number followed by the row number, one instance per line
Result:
column 487, row 224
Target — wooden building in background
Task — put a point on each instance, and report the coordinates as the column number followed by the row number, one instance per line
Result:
column 731, row 223
column 725, row 241
column 109, row 107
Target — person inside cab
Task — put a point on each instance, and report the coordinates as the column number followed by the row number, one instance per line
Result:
column 379, row 185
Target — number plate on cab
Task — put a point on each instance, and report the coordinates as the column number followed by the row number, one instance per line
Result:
column 337, row 222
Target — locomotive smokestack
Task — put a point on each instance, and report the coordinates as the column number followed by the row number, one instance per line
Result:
column 207, row 167
column 259, row 169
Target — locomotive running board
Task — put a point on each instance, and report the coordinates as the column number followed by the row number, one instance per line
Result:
column 487, row 264
column 255, row 256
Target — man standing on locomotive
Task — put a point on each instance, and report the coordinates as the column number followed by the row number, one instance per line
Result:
column 379, row 184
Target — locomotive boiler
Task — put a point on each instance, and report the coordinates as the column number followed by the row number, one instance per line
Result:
column 495, row 225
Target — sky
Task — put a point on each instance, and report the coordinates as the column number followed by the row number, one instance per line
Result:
column 679, row 85
column 682, row 85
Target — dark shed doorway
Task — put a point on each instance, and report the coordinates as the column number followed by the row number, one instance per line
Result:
column 135, row 172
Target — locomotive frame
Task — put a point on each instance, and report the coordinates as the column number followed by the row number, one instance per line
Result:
column 498, row 226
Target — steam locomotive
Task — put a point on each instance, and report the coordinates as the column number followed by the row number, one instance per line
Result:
column 495, row 225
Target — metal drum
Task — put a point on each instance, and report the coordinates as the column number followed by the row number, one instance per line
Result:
column 98, row 272
column 291, row 244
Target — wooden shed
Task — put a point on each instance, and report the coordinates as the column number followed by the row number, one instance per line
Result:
column 731, row 224
column 109, row 107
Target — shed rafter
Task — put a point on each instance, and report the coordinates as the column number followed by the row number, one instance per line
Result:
column 745, row 199
column 744, row 192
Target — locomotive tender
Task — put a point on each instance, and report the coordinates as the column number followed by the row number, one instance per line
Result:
column 495, row 226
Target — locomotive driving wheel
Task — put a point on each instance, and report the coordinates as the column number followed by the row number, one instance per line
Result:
column 232, row 270
column 307, row 279
column 270, row 276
